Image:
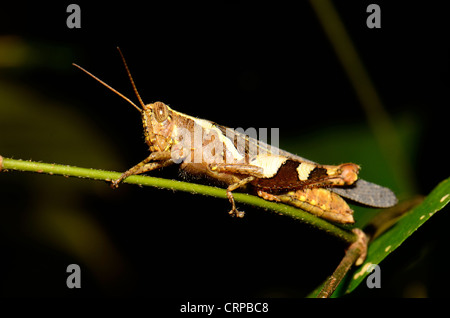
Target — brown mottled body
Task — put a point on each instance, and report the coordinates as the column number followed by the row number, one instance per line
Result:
column 203, row 148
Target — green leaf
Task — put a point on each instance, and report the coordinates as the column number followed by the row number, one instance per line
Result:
column 396, row 235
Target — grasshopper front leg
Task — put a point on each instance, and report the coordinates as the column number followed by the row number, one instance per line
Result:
column 162, row 158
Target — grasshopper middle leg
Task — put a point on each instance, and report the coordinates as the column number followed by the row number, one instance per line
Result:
column 251, row 171
column 234, row 211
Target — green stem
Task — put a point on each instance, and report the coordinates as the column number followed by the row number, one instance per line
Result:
column 70, row 171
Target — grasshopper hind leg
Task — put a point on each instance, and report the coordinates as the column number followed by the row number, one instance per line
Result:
column 320, row 202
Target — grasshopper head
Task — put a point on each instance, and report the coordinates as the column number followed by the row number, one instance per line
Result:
column 156, row 117
column 158, row 126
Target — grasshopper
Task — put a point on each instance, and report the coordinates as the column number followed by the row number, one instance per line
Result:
column 237, row 161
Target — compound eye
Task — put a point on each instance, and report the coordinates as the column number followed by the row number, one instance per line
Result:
column 160, row 111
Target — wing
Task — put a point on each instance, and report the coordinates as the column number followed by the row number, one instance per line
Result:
column 368, row 193
column 361, row 191
column 251, row 147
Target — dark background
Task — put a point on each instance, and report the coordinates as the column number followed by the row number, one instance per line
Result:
column 241, row 65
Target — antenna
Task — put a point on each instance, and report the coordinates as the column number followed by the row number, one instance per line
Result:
column 115, row 91
column 131, row 78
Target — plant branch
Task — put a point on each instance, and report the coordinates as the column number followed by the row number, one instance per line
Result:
column 355, row 254
column 94, row 174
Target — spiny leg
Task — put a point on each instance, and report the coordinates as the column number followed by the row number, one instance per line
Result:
column 162, row 157
column 234, row 211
